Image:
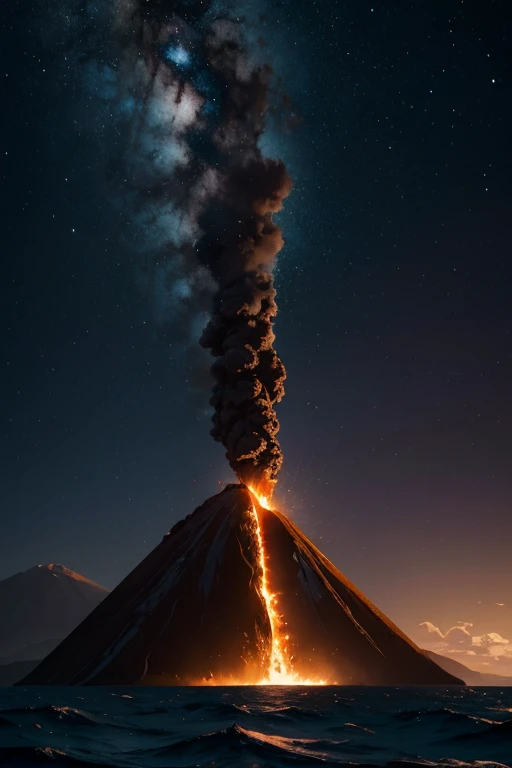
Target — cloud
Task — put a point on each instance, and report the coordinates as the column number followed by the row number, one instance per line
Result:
column 458, row 635
column 490, row 649
column 493, row 645
column 492, row 638
column 431, row 629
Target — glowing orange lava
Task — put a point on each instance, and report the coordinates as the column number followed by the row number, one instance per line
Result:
column 280, row 670
column 263, row 501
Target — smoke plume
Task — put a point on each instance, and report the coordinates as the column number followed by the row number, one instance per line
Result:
column 226, row 193
column 240, row 242
column 185, row 95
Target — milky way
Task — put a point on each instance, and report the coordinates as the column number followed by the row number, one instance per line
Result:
column 189, row 95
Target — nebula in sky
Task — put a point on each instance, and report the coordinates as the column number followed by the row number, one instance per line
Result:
column 201, row 197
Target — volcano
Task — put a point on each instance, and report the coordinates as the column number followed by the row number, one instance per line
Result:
column 236, row 594
column 40, row 607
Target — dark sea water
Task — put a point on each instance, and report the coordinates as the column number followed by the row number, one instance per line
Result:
column 249, row 727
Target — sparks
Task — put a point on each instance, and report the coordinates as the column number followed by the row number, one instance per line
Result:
column 280, row 671
column 263, row 501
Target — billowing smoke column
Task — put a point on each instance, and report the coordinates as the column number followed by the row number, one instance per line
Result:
column 248, row 372
column 179, row 93
column 208, row 194
column 243, row 239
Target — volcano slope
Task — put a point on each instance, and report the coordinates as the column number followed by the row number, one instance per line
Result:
column 193, row 612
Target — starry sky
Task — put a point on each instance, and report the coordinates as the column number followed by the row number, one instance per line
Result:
column 395, row 319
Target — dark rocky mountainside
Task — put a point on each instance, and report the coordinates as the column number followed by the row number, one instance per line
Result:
column 40, row 607
column 196, row 610
column 470, row 676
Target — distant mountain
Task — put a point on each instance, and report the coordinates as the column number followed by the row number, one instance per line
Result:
column 11, row 673
column 470, row 676
column 40, row 607
column 34, row 651
column 203, row 606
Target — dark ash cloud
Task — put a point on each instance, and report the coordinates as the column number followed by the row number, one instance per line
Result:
column 182, row 97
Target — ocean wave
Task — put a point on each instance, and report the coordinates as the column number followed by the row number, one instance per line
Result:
column 229, row 710
column 51, row 714
column 24, row 757
column 442, row 714
column 496, row 732
column 4, row 723
column 243, row 745
column 443, row 763
column 244, row 728
column 297, row 713
column 159, row 710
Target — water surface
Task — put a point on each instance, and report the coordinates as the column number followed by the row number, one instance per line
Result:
column 261, row 727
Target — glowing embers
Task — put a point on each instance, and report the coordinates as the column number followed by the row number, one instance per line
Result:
column 280, row 670
column 263, row 501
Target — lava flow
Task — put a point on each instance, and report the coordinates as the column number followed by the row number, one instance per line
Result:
column 280, row 670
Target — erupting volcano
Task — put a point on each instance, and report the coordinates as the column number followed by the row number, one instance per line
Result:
column 236, row 594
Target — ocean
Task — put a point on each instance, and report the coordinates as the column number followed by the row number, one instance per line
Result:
column 255, row 727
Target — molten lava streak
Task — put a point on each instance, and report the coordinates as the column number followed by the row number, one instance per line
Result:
column 280, row 670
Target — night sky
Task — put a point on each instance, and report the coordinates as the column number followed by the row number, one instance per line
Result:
column 395, row 318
